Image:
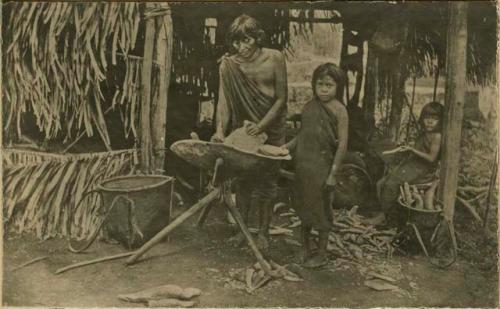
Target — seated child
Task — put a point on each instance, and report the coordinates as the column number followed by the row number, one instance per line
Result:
column 418, row 167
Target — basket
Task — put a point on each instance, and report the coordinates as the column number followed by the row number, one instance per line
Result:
column 139, row 207
column 423, row 218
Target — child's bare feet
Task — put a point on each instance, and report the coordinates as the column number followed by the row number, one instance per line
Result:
column 237, row 240
column 316, row 261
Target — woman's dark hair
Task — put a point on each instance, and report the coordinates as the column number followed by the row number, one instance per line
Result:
column 332, row 70
column 432, row 109
column 242, row 27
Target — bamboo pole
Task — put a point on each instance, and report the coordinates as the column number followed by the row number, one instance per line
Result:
column 94, row 261
column 454, row 102
column 145, row 131
column 164, row 41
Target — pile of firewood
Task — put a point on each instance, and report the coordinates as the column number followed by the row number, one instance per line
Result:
column 351, row 238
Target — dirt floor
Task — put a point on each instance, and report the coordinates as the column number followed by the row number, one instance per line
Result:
column 202, row 258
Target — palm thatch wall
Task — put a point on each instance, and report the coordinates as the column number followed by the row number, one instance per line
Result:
column 62, row 63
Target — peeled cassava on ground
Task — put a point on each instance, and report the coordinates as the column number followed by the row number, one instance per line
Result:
column 171, row 303
column 159, row 292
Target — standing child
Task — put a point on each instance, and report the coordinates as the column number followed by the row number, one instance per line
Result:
column 419, row 166
column 319, row 149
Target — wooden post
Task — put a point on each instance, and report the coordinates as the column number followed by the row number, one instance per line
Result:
column 371, row 96
column 359, row 75
column 164, row 41
column 436, row 80
column 147, row 64
column 398, row 95
column 456, row 57
column 342, row 64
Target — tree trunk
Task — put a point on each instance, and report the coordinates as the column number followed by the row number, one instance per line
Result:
column 398, row 96
column 436, row 80
column 454, row 103
column 146, row 144
column 371, row 96
column 164, row 41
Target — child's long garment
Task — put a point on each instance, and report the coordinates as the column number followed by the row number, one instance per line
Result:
column 314, row 154
column 413, row 170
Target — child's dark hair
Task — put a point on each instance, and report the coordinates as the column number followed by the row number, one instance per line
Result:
column 332, row 70
column 432, row 109
column 242, row 27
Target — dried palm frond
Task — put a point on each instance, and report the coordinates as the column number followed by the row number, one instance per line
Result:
column 56, row 58
column 39, row 197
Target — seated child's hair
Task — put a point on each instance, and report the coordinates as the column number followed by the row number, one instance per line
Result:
column 432, row 109
column 242, row 27
column 332, row 70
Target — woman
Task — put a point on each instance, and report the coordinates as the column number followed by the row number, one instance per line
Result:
column 253, row 87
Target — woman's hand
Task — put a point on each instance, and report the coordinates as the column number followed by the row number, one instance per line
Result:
column 253, row 129
column 217, row 138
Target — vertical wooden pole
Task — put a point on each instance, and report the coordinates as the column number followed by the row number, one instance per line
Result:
column 359, row 75
column 147, row 64
column 164, row 41
column 371, row 96
column 456, row 57
column 342, row 64
column 436, row 80
column 398, row 96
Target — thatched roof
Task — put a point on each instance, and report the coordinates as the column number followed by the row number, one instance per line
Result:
column 56, row 58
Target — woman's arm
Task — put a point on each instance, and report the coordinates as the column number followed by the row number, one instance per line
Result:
column 291, row 144
column 281, row 91
column 434, row 149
